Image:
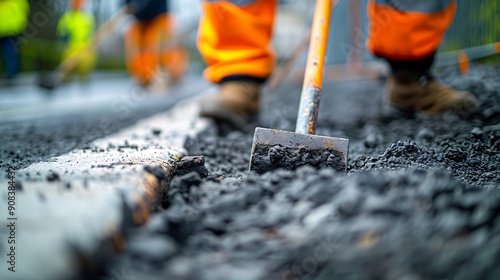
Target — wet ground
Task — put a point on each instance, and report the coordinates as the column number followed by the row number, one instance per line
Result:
column 420, row 199
column 36, row 125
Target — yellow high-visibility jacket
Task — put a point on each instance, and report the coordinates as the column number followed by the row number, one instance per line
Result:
column 77, row 26
column 13, row 17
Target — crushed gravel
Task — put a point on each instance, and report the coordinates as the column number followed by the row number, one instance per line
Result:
column 420, row 199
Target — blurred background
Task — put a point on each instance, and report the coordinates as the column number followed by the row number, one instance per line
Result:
column 44, row 47
column 41, row 48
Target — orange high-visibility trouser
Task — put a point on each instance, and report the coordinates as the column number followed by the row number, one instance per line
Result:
column 408, row 29
column 234, row 35
column 234, row 38
column 147, row 50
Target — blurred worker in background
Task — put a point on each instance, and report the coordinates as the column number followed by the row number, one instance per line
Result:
column 75, row 28
column 234, row 39
column 13, row 21
column 148, row 44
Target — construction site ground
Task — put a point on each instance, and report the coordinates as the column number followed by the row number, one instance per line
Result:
column 158, row 193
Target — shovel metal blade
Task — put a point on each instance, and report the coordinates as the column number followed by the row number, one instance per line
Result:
column 273, row 149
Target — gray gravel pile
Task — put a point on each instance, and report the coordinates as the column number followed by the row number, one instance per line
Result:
column 309, row 224
column 225, row 156
column 420, row 201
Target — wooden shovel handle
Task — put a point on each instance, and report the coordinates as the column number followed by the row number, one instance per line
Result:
column 313, row 79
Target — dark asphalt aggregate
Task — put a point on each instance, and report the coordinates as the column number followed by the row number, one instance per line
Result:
column 28, row 141
column 420, row 200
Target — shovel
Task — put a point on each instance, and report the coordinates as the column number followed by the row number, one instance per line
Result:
column 273, row 149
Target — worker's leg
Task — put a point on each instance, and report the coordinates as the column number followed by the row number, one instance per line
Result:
column 176, row 60
column 137, row 60
column 83, row 53
column 132, row 49
column 87, row 65
column 9, row 56
column 173, row 56
column 407, row 34
column 152, row 40
column 234, row 39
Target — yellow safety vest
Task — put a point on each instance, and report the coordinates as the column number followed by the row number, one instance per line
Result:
column 78, row 26
column 13, row 17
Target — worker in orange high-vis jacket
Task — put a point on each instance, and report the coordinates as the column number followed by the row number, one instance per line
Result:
column 234, row 39
column 148, row 43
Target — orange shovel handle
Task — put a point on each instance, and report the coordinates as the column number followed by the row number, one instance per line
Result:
column 313, row 79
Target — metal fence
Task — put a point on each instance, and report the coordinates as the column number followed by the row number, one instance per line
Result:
column 474, row 34
column 477, row 23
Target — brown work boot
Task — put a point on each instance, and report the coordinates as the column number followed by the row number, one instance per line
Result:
column 235, row 103
column 410, row 93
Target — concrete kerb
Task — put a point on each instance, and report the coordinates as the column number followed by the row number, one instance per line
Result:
column 73, row 210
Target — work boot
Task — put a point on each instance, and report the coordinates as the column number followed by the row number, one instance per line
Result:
column 410, row 93
column 235, row 104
